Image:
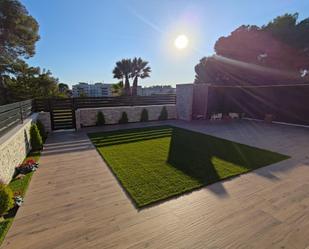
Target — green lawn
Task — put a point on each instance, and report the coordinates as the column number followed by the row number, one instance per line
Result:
column 156, row 163
column 18, row 186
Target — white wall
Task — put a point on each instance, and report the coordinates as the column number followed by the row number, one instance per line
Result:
column 88, row 116
column 184, row 101
column 44, row 117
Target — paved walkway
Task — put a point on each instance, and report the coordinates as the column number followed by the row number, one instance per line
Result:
column 75, row 202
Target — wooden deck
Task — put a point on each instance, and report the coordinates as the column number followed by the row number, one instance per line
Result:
column 75, row 202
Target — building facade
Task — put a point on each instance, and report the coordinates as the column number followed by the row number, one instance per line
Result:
column 153, row 90
column 83, row 89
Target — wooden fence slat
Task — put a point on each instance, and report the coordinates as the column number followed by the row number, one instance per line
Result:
column 93, row 102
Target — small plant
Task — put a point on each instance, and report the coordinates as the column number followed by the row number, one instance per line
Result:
column 100, row 119
column 124, row 118
column 28, row 166
column 6, row 199
column 35, row 138
column 144, row 115
column 163, row 114
column 41, row 128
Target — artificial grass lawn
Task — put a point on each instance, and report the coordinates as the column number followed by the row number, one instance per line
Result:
column 156, row 163
column 18, row 186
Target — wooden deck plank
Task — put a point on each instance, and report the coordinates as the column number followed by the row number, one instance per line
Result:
column 74, row 201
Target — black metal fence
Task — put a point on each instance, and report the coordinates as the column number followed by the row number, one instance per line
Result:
column 93, row 102
column 286, row 103
column 14, row 114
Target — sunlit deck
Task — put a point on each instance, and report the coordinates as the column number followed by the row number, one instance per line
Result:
column 74, row 201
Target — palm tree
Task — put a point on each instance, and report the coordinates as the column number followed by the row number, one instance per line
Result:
column 139, row 70
column 122, row 71
column 117, row 89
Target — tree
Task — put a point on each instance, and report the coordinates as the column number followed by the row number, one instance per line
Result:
column 124, row 118
column 42, row 130
column 277, row 53
column 117, row 89
column 83, row 95
column 122, row 71
column 139, row 70
column 35, row 138
column 100, row 118
column 163, row 114
column 18, row 35
column 31, row 82
column 6, row 199
column 144, row 115
column 19, row 32
column 64, row 90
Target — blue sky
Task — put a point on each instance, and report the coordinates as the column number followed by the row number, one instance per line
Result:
column 82, row 39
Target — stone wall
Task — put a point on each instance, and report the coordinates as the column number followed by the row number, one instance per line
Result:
column 14, row 147
column 88, row 116
column 44, row 117
column 184, row 101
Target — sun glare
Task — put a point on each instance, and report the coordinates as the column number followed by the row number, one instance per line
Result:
column 181, row 42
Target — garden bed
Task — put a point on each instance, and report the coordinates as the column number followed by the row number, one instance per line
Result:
column 19, row 187
column 156, row 163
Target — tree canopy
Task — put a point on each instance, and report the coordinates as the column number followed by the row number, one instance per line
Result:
column 140, row 69
column 18, row 36
column 32, row 82
column 122, row 71
column 18, row 33
column 275, row 53
column 117, row 89
column 131, row 68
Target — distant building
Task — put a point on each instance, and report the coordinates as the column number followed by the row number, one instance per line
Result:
column 153, row 90
column 92, row 90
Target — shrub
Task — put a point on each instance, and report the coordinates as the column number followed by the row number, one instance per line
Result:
column 144, row 115
column 6, row 199
column 41, row 128
column 124, row 118
column 163, row 114
column 100, row 118
column 35, row 138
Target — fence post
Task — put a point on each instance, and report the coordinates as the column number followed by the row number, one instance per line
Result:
column 73, row 104
column 21, row 112
column 49, row 109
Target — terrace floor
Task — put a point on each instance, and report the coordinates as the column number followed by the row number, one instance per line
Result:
column 74, row 201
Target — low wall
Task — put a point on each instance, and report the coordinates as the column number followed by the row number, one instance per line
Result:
column 14, row 147
column 88, row 116
column 184, row 101
column 44, row 117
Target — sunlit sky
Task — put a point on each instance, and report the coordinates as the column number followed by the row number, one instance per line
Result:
column 82, row 39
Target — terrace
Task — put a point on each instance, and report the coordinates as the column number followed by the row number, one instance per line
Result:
column 123, row 160
column 165, row 184
column 74, row 200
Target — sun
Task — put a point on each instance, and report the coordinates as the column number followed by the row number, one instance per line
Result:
column 181, row 41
